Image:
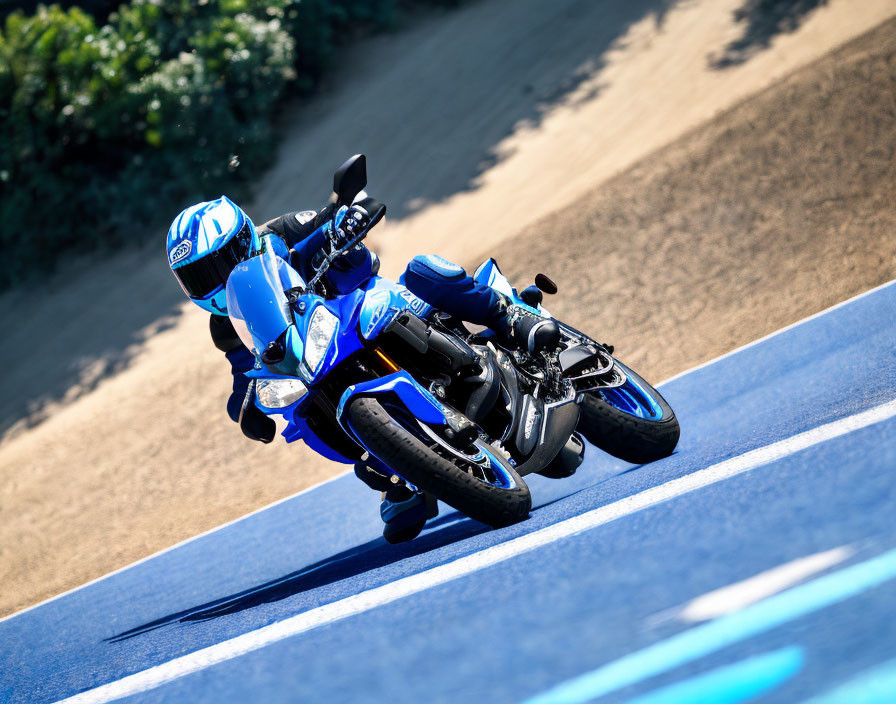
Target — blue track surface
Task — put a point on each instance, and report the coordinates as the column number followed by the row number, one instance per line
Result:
column 520, row 628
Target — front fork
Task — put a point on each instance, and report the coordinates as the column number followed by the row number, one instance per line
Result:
column 431, row 416
column 398, row 386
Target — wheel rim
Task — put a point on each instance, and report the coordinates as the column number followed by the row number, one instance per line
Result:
column 483, row 466
column 633, row 399
column 501, row 477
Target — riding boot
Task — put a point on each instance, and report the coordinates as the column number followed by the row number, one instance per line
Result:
column 524, row 330
column 404, row 512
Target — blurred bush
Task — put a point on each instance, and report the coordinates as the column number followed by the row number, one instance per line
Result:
column 98, row 9
column 169, row 101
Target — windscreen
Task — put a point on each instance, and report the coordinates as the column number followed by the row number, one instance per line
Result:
column 256, row 301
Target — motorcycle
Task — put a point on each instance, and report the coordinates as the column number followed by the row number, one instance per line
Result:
column 378, row 377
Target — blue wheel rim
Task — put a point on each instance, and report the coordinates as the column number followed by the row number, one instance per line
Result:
column 503, row 477
column 633, row 399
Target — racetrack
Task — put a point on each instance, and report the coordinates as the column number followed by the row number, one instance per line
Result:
column 783, row 477
column 115, row 442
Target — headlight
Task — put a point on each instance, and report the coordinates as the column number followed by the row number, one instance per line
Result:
column 279, row 393
column 320, row 333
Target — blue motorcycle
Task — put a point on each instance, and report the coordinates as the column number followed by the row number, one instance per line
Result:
column 378, row 377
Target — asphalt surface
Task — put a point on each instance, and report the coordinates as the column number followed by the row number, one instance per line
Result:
column 599, row 604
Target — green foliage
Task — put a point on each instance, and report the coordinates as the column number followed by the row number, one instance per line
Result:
column 171, row 100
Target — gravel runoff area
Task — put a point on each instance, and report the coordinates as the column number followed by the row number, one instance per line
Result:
column 777, row 209
column 764, row 214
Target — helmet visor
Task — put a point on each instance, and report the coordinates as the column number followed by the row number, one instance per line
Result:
column 200, row 278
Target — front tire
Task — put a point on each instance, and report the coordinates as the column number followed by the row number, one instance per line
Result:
column 614, row 423
column 419, row 464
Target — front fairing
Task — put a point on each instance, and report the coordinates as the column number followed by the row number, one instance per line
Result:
column 256, row 301
column 383, row 299
column 345, row 340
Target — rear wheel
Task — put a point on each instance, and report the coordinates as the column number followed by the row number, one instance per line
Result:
column 632, row 422
column 488, row 490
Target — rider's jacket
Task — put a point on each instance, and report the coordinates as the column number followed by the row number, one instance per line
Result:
column 305, row 234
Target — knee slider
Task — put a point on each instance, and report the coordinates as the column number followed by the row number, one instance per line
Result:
column 435, row 268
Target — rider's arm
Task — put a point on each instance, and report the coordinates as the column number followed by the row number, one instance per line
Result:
column 357, row 265
column 297, row 226
column 306, row 235
column 256, row 425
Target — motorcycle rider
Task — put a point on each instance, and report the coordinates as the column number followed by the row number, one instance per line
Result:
column 207, row 240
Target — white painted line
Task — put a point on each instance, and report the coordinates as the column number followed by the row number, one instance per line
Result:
column 776, row 333
column 175, row 546
column 740, row 595
column 406, row 586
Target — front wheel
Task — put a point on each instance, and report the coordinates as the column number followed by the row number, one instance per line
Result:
column 632, row 422
column 489, row 490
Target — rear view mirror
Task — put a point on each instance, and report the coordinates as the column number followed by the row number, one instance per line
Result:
column 545, row 284
column 350, row 179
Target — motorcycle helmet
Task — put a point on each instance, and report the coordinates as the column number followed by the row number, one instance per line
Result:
column 205, row 242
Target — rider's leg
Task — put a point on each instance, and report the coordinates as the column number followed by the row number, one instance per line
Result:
column 448, row 287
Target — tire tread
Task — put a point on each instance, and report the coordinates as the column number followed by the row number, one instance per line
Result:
column 417, row 463
column 633, row 439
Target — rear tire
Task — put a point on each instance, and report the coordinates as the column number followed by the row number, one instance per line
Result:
column 626, row 436
column 428, row 471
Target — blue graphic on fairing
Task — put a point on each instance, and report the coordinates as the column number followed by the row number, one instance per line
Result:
column 402, row 386
column 382, row 300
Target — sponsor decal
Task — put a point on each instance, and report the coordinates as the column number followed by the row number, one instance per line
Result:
column 305, row 216
column 415, row 304
column 378, row 314
column 180, row 252
column 530, row 421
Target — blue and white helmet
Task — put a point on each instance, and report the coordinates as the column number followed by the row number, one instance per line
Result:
column 205, row 242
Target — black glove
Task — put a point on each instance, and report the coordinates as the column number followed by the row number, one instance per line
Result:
column 255, row 424
column 356, row 219
column 363, row 214
column 240, row 406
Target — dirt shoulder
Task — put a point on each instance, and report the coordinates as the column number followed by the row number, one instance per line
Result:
column 775, row 210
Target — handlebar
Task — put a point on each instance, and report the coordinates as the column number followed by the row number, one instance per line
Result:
column 335, row 254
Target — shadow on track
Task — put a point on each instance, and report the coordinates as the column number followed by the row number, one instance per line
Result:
column 450, row 527
column 345, row 565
